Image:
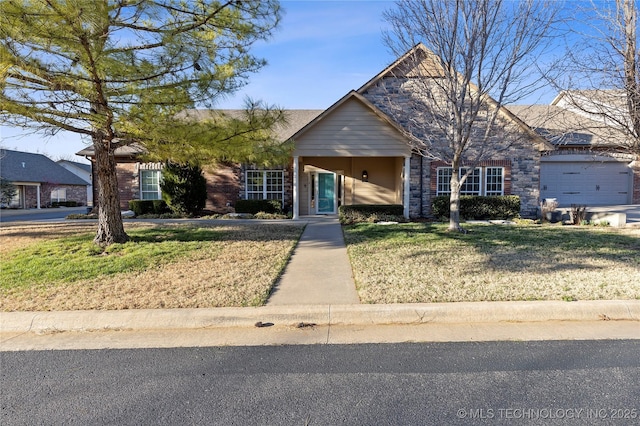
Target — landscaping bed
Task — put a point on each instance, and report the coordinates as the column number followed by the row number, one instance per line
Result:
column 422, row 262
column 57, row 267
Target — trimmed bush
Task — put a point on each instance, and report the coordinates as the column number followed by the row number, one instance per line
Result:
column 64, row 204
column 370, row 213
column 257, row 206
column 184, row 188
column 479, row 207
column 142, row 207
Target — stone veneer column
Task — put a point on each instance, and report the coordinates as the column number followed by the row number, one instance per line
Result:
column 406, row 177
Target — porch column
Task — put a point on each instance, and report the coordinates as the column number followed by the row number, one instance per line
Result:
column 38, row 195
column 407, row 186
column 296, row 207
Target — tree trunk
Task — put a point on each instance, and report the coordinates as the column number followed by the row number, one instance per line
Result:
column 110, row 226
column 454, row 201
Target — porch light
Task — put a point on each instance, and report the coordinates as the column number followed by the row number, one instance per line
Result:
column 365, row 176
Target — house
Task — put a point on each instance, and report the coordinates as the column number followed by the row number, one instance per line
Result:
column 359, row 151
column 226, row 183
column 40, row 181
column 589, row 165
column 82, row 170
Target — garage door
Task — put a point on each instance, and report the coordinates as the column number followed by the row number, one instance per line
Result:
column 589, row 183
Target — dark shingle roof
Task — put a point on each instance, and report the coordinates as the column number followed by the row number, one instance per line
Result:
column 18, row 166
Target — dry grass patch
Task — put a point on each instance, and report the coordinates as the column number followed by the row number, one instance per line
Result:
column 409, row 263
column 188, row 266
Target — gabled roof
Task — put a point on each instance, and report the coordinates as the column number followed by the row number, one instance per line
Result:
column 18, row 166
column 566, row 127
column 610, row 97
column 556, row 124
column 82, row 166
column 351, row 95
column 430, row 65
column 406, row 66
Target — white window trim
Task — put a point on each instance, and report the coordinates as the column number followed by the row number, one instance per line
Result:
column 264, row 191
column 438, row 191
column 462, row 171
column 159, row 192
column 482, row 176
column 57, row 192
column 501, row 180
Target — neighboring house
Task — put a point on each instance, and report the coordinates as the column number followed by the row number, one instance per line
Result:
column 40, row 181
column 82, row 170
column 589, row 165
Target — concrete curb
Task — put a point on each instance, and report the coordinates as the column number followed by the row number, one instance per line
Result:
column 447, row 313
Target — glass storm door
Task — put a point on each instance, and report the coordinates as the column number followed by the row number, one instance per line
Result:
column 326, row 193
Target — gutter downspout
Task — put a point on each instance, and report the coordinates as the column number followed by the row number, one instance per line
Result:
column 421, row 186
column 296, row 207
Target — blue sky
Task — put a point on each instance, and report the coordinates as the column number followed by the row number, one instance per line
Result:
column 322, row 50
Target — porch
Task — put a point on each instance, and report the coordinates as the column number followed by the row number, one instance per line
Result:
column 322, row 184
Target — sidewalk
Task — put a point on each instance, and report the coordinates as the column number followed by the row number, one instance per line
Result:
column 321, row 324
column 315, row 302
column 319, row 272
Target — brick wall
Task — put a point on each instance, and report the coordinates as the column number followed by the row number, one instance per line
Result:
column 223, row 187
column 128, row 183
column 223, row 184
column 77, row 193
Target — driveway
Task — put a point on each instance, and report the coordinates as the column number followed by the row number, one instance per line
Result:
column 632, row 211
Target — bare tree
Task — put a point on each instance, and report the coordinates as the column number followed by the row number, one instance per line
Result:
column 602, row 75
column 467, row 58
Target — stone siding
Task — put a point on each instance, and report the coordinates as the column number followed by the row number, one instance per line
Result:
column 635, row 166
column 515, row 150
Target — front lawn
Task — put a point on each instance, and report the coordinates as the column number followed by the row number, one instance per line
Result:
column 416, row 262
column 57, row 267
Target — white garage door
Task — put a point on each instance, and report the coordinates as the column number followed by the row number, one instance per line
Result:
column 589, row 183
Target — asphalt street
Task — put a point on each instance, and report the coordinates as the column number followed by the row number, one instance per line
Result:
column 42, row 215
column 553, row 382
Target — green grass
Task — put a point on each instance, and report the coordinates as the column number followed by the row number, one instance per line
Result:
column 57, row 267
column 426, row 263
column 76, row 258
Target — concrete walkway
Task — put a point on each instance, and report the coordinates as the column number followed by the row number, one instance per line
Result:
column 319, row 272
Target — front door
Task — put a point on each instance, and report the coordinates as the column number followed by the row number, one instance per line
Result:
column 326, row 192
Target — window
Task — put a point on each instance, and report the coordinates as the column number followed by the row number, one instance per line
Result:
column 150, row 185
column 444, row 180
column 494, row 181
column 265, row 185
column 58, row 194
column 471, row 185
